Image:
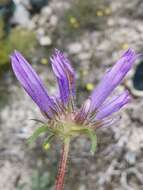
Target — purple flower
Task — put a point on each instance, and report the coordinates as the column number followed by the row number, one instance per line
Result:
column 112, row 79
column 65, row 76
column 32, row 84
column 113, row 106
column 64, row 120
column 96, row 111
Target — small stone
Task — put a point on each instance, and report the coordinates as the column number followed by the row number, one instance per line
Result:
column 46, row 11
column 111, row 22
column 40, row 31
column 108, row 11
column 82, row 187
column 18, row 17
column 75, row 48
column 45, row 41
column 42, row 21
column 130, row 157
column 84, row 56
column 86, row 44
column 53, row 20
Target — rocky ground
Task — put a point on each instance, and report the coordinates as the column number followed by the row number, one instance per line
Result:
column 118, row 162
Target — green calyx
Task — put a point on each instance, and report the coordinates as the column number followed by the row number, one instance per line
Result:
column 64, row 131
column 42, row 130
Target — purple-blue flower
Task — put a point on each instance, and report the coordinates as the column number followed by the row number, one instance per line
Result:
column 64, row 119
column 112, row 79
column 95, row 111
column 32, row 84
column 65, row 76
column 98, row 109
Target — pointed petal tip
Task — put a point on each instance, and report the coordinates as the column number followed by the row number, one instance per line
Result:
column 16, row 54
column 64, row 73
column 31, row 82
column 129, row 54
column 57, row 52
column 12, row 54
column 129, row 50
column 114, row 106
column 128, row 95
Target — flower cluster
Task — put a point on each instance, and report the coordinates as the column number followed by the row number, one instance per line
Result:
column 64, row 119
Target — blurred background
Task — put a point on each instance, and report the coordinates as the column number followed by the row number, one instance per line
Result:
column 93, row 34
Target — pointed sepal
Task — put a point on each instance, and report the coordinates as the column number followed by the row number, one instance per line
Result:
column 90, row 133
column 37, row 132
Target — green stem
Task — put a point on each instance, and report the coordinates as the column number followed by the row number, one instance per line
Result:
column 62, row 166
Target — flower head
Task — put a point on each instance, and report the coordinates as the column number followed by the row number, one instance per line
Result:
column 63, row 118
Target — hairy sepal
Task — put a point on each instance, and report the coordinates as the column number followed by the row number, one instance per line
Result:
column 37, row 132
column 70, row 131
column 90, row 133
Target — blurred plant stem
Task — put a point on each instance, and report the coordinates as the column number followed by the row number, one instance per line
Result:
column 62, row 166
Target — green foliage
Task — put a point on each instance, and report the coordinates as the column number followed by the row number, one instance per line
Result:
column 39, row 181
column 21, row 187
column 64, row 132
column 19, row 38
column 3, row 98
column 84, row 14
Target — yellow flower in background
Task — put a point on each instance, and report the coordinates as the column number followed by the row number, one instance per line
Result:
column 99, row 13
column 89, row 86
column 74, row 22
column 44, row 61
column 124, row 46
column 46, row 146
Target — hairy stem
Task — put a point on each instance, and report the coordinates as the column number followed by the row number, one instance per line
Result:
column 62, row 166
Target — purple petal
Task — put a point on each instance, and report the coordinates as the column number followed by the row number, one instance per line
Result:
column 112, row 79
column 65, row 76
column 82, row 114
column 111, row 121
column 113, row 106
column 32, row 83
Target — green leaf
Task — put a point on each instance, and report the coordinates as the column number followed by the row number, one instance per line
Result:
column 36, row 133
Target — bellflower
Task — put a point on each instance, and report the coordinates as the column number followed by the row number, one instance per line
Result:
column 63, row 119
